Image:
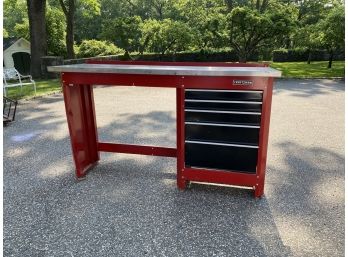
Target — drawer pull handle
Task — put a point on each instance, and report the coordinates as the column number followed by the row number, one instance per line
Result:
column 221, row 101
column 229, row 91
column 221, row 144
column 231, row 112
column 220, row 124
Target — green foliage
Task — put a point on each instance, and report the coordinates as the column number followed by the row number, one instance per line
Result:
column 209, row 55
column 4, row 33
column 92, row 48
column 308, row 36
column 22, row 29
column 250, row 29
column 125, row 32
column 302, row 54
column 207, row 20
column 332, row 29
column 165, row 36
column 87, row 20
column 88, row 8
column 55, row 26
column 15, row 12
column 16, row 22
column 19, row 25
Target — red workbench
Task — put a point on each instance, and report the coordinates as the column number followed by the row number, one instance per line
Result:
column 223, row 115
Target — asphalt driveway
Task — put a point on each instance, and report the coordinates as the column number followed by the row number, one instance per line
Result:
column 129, row 205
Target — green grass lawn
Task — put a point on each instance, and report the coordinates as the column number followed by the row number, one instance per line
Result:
column 43, row 87
column 313, row 70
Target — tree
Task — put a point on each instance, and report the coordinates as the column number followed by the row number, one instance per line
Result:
column 69, row 8
column 55, row 31
column 92, row 48
column 166, row 36
column 148, row 9
column 38, row 38
column 207, row 21
column 149, row 30
column 22, row 29
column 308, row 37
column 88, row 19
column 250, row 30
column 310, row 11
column 55, row 23
column 332, row 31
column 15, row 12
column 125, row 32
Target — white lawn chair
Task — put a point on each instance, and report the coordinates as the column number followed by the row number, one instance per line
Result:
column 12, row 78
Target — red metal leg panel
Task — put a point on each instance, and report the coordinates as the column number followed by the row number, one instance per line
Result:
column 263, row 141
column 79, row 105
column 180, row 137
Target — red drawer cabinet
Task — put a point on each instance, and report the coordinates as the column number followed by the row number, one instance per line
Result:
column 223, row 115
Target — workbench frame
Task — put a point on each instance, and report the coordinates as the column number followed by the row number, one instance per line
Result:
column 81, row 117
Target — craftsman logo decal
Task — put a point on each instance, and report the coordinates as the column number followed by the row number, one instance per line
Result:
column 242, row 83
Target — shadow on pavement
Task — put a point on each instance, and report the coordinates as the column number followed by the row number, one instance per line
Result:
column 128, row 205
column 308, row 88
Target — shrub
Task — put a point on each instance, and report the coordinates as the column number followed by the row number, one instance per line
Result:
column 92, row 48
column 301, row 55
column 290, row 55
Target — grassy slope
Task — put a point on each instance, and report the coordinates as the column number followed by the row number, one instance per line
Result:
column 313, row 70
column 43, row 87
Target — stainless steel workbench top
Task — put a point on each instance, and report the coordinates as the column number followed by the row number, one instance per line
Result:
column 167, row 70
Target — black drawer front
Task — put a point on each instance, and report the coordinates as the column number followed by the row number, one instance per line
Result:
column 246, row 107
column 222, row 134
column 228, row 158
column 232, row 118
column 224, row 95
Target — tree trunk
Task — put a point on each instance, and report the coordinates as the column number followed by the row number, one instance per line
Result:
column 242, row 57
column 309, row 56
column 69, row 12
column 257, row 6
column 264, row 6
column 38, row 38
column 229, row 5
column 329, row 66
column 70, row 30
column 126, row 56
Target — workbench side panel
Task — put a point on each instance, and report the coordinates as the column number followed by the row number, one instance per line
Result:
column 80, row 113
column 180, row 137
column 263, row 141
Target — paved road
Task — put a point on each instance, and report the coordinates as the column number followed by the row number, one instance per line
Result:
column 129, row 205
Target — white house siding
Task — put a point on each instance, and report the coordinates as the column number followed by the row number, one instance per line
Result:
column 21, row 45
